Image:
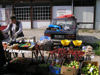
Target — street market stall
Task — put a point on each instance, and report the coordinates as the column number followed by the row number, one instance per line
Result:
column 65, row 59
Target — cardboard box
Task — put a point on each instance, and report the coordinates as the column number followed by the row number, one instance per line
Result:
column 89, row 53
column 87, row 62
column 69, row 71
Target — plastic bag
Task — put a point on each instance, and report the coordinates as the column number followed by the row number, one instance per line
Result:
column 45, row 40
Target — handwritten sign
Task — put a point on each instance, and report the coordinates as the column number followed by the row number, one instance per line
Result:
column 61, row 12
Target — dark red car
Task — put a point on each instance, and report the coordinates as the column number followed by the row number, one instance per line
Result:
column 2, row 28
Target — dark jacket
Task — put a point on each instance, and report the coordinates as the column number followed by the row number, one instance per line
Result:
column 2, row 55
column 17, row 28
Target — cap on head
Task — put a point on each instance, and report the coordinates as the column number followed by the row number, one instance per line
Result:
column 12, row 16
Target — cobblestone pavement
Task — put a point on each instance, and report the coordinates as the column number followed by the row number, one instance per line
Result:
column 88, row 36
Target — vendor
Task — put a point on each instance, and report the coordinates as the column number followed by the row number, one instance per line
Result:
column 15, row 28
column 2, row 55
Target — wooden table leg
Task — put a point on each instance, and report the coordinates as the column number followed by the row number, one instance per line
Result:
column 35, row 56
column 9, row 56
column 89, row 58
column 41, row 55
column 16, row 54
column 23, row 55
column 48, row 57
column 13, row 54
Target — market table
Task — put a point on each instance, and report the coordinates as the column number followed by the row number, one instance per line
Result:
column 12, row 51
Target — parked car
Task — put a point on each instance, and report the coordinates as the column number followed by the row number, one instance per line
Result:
column 2, row 28
column 62, row 28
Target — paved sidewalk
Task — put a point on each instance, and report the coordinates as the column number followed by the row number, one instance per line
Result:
column 88, row 36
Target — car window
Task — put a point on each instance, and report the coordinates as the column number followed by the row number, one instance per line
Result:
column 63, row 23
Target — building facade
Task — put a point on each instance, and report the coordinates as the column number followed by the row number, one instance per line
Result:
column 38, row 13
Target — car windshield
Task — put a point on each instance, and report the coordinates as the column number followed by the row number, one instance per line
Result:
column 64, row 23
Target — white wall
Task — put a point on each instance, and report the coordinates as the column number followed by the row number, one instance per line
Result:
column 38, row 24
column 84, row 14
column 61, row 10
column 26, row 25
column 2, row 23
column 85, row 26
column 97, row 21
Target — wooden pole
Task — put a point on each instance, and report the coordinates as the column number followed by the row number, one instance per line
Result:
column 31, row 14
column 50, row 10
column 72, row 7
column 94, row 14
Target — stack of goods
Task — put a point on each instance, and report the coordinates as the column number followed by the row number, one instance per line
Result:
column 15, row 46
column 77, row 55
column 24, row 46
column 32, row 46
column 89, row 51
column 45, row 43
column 90, row 68
column 73, row 64
column 71, row 68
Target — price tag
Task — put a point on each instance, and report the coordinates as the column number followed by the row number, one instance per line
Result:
column 91, row 69
column 92, row 56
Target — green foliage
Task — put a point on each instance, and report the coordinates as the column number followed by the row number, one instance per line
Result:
column 44, row 65
column 97, row 52
column 57, row 65
column 85, row 30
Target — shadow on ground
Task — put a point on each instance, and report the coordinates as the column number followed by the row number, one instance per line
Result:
column 88, row 39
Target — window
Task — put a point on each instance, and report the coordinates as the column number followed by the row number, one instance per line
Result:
column 22, row 13
column 41, row 13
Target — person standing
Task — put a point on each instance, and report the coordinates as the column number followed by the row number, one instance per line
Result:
column 2, row 55
column 15, row 28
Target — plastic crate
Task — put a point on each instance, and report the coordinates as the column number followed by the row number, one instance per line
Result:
column 54, row 69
